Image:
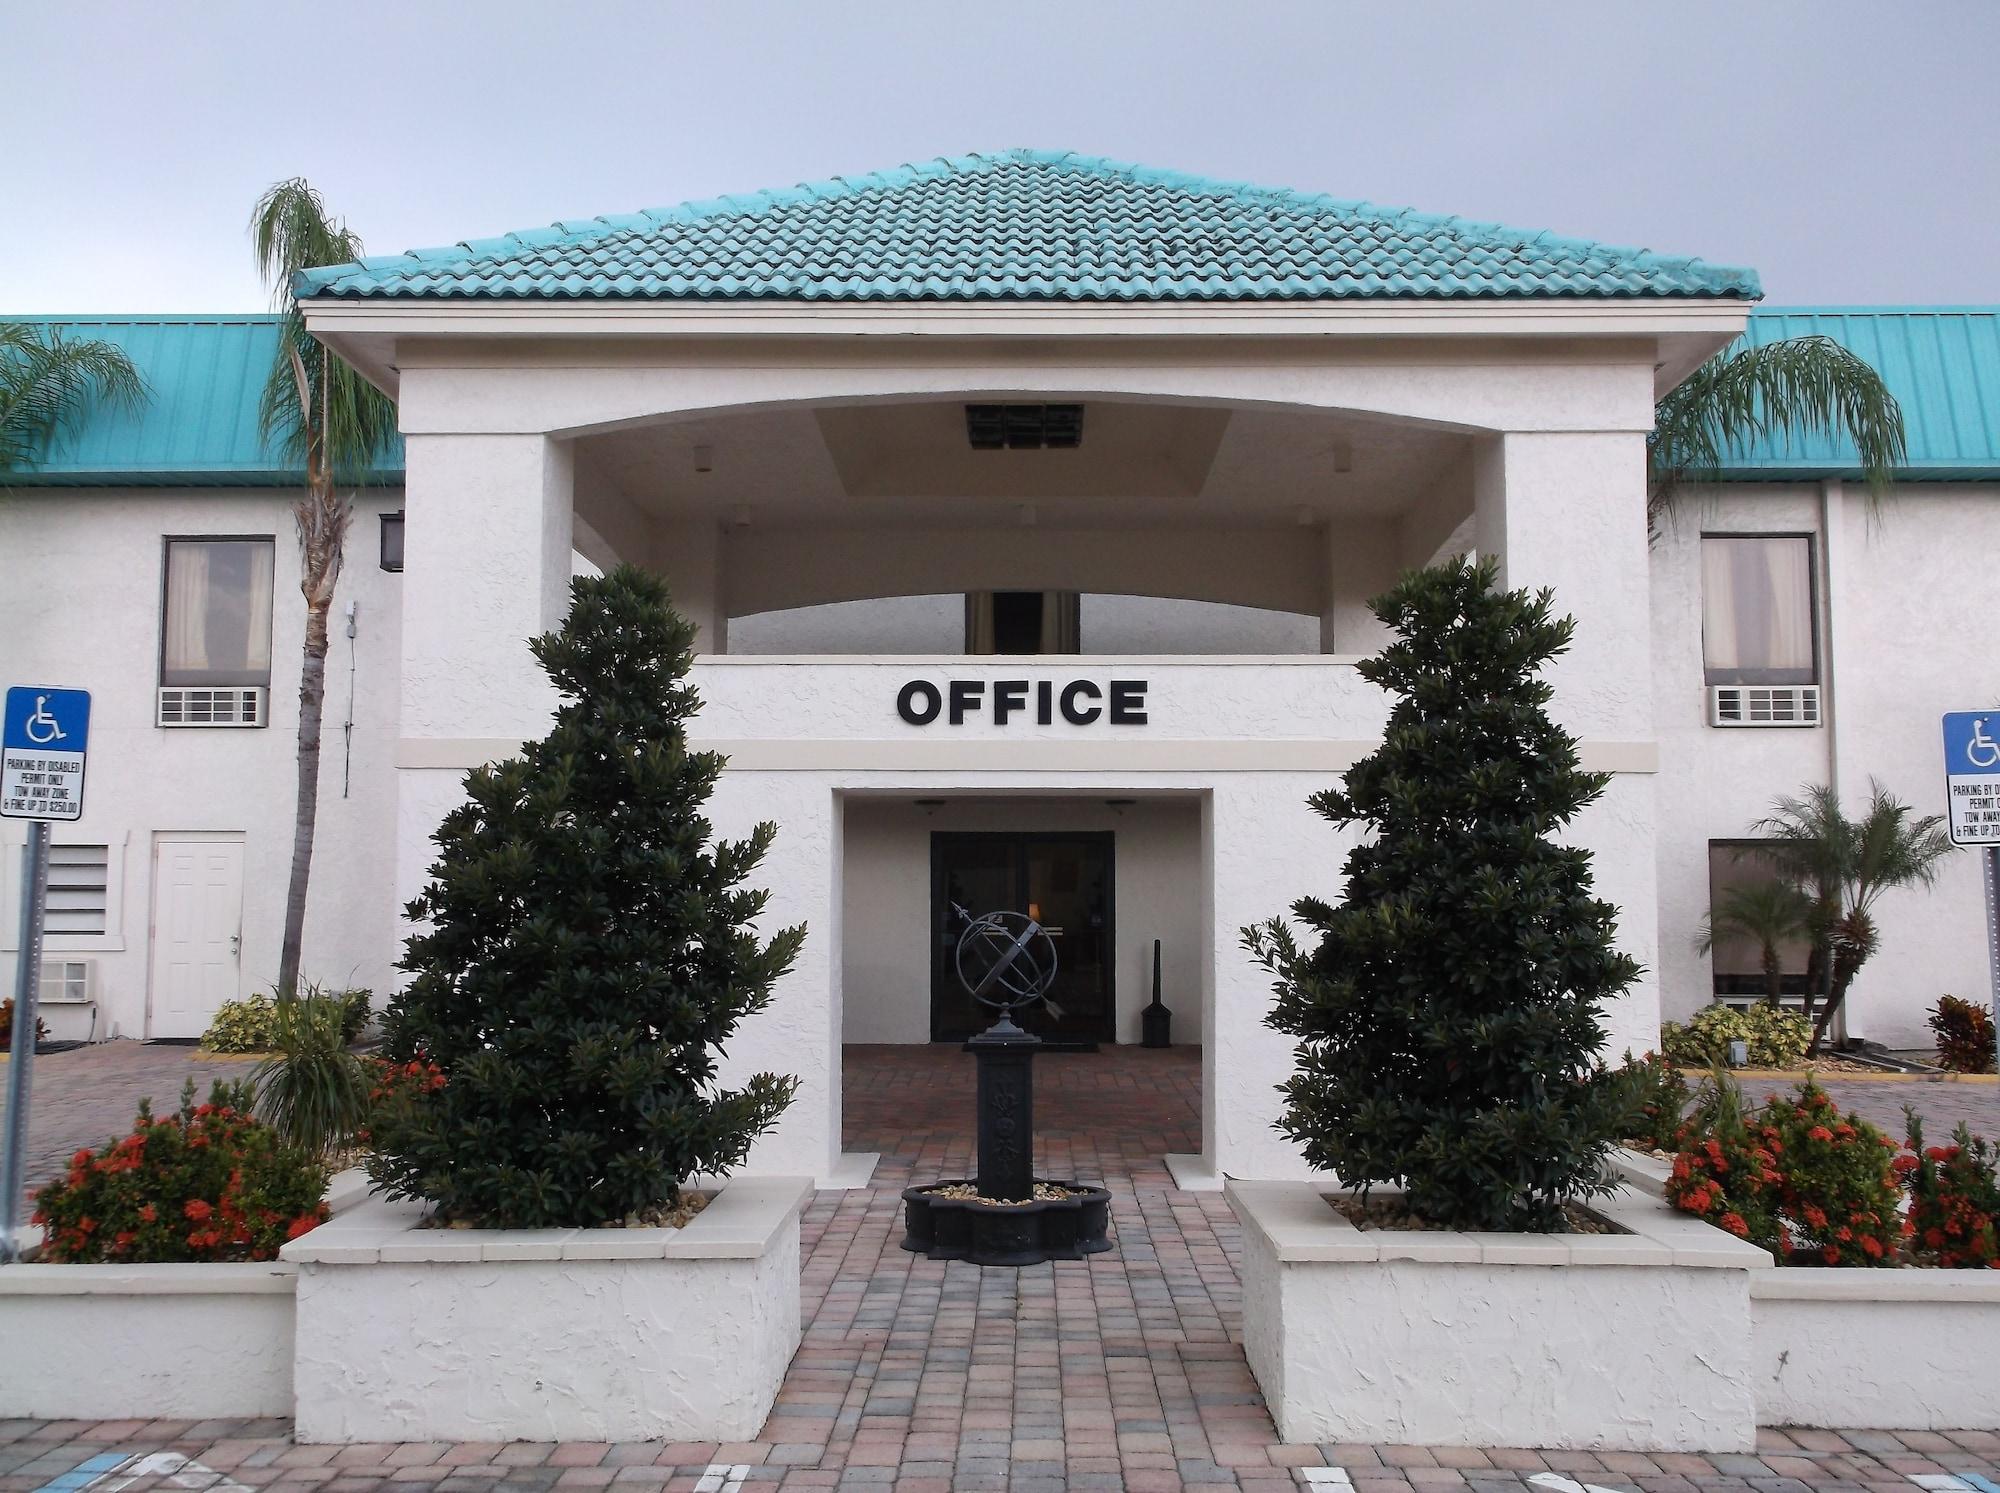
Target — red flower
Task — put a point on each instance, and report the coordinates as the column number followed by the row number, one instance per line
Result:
column 148, row 1213
column 305, row 1223
column 1830, row 1254
column 1735, row 1224
column 198, row 1209
column 1819, row 1133
column 1872, row 1247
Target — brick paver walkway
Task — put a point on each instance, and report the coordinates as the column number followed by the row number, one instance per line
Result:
column 1117, row 1372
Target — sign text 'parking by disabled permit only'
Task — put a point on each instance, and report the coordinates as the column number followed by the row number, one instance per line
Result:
column 1972, row 775
column 42, row 743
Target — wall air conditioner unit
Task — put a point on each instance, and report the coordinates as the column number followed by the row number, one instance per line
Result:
column 1763, row 705
column 190, row 705
column 69, row 982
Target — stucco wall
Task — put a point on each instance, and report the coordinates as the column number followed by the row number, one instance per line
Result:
column 1899, row 646
column 886, row 912
column 80, row 607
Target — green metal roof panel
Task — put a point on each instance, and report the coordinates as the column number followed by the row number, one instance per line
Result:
column 1024, row 225
column 1943, row 365
column 198, row 424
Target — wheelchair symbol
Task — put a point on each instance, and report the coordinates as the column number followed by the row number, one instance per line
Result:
column 42, row 728
column 1982, row 750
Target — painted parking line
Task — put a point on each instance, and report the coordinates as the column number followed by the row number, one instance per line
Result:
column 722, row 1477
column 1326, row 1477
column 110, row 1472
column 1954, row 1482
column 1555, row 1482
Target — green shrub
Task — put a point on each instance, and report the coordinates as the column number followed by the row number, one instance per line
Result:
column 1964, row 1035
column 242, row 1025
column 1839, row 1192
column 1449, row 1011
column 312, row 1090
column 1726, row 1171
column 1660, row 1097
column 1776, row 1038
column 206, row 1183
column 589, row 950
column 247, row 1025
column 7, row 1025
column 1954, row 1198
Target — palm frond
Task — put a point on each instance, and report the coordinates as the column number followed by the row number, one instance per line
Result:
column 49, row 382
column 1799, row 386
column 1765, row 912
column 313, row 404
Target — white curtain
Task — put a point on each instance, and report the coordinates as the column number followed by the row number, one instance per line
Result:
column 218, row 612
column 1757, row 624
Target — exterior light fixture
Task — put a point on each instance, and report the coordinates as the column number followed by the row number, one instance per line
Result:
column 704, row 458
column 392, row 541
column 1024, row 427
column 1343, row 457
column 928, row 805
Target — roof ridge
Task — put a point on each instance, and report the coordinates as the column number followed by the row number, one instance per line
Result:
column 459, row 259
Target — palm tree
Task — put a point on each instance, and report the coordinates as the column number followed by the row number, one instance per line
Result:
column 49, row 381
column 322, row 414
column 1800, row 386
column 1845, row 865
column 1769, row 913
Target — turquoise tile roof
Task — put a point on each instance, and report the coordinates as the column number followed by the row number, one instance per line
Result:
column 1941, row 362
column 1024, row 225
column 197, row 426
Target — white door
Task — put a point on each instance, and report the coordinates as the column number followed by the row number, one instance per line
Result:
column 197, row 932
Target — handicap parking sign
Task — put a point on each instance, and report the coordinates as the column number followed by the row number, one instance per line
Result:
column 43, row 737
column 1972, row 775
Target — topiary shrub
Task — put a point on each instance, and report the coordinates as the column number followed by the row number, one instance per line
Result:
column 1774, row 1037
column 1449, row 1015
column 588, row 953
column 1964, row 1035
column 206, row 1183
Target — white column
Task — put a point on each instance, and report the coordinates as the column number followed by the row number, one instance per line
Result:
column 1363, row 557
column 486, row 567
column 1567, row 510
column 799, row 1032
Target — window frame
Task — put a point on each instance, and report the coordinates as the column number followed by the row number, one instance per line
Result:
column 1752, row 678
column 1793, row 989
column 167, row 542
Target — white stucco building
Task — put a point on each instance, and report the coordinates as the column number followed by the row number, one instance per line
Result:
column 1028, row 506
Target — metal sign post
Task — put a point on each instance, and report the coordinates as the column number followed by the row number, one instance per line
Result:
column 43, row 736
column 1972, row 793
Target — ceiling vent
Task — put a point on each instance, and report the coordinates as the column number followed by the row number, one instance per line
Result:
column 1024, row 427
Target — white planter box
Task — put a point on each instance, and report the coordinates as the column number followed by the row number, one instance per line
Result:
column 1637, row 1342
column 155, row 1342
column 1876, row 1349
column 549, row 1335
column 145, row 1342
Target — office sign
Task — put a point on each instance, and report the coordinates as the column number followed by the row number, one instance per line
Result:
column 1041, row 702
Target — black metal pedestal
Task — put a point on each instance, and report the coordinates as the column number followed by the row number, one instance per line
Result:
column 1022, row 1229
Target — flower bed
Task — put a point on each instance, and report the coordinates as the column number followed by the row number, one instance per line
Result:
column 408, row 1334
column 1636, row 1341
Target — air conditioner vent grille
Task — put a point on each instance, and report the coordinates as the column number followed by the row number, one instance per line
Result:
column 1763, row 705
column 187, row 705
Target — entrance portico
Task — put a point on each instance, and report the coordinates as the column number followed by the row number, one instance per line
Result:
column 1286, row 449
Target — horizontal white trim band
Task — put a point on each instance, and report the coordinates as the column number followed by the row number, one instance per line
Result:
column 1038, row 754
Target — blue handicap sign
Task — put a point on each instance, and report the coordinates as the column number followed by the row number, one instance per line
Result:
column 1972, row 776
column 46, row 720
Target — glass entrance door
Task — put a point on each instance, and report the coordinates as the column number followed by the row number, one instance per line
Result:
column 1063, row 881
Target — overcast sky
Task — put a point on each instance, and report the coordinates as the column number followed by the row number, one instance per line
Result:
column 1846, row 149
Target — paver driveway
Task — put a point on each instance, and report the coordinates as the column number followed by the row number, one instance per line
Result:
column 1117, row 1372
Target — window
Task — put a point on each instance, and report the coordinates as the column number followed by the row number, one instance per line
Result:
column 1757, row 609
column 1752, row 906
column 1021, row 622
column 216, row 618
column 79, row 887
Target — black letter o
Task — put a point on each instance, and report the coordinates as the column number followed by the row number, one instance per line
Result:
column 906, row 702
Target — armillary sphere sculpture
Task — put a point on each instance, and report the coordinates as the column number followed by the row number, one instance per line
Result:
column 1007, row 1215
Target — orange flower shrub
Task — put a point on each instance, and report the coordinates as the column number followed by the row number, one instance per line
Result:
column 1726, row 1171
column 206, row 1183
column 1839, row 1196
column 1954, row 1199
